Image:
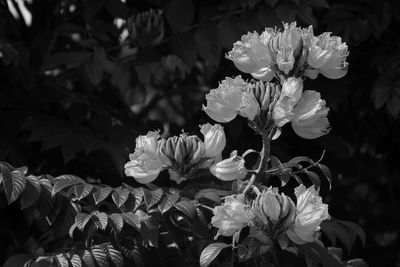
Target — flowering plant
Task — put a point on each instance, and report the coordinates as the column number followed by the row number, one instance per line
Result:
column 262, row 221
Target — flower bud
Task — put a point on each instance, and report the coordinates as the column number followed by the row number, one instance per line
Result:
column 249, row 107
column 310, row 116
column 285, row 59
column 229, row 169
column 214, row 139
column 223, row 103
column 231, row 216
column 146, row 28
column 292, row 89
column 145, row 163
column 310, row 212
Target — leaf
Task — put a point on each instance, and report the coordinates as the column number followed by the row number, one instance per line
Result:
column 355, row 228
column 132, row 219
column 314, row 178
column 119, row 196
column 99, row 256
column 138, row 194
column 228, row 31
column 75, row 260
column 187, row 207
column 102, row 61
column 301, row 159
column 180, row 14
column 356, row 263
column 184, row 47
column 94, row 72
column 211, row 252
column 117, row 221
column 67, row 59
column 168, row 201
column 87, row 258
column 114, row 255
column 102, row 219
column 64, row 220
column 151, row 198
column 327, row 173
column 64, row 181
column 150, row 232
column 286, row 11
column 31, row 193
column 14, row 183
column 101, row 193
column 81, row 191
column 62, row 260
column 17, row 260
column 81, row 219
column 344, row 236
column 45, row 203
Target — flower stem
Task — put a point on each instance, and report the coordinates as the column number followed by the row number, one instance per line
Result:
column 264, row 157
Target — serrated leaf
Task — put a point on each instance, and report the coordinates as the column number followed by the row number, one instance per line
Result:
column 187, row 207
column 100, row 256
column 14, row 183
column 168, row 202
column 115, row 256
column 101, row 193
column 64, row 181
column 117, row 221
column 119, row 196
column 31, row 193
column 151, row 198
column 75, row 260
column 211, row 252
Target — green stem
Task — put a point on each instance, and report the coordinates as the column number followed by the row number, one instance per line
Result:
column 264, row 157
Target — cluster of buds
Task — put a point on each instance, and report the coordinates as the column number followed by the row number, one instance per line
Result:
column 293, row 51
column 270, row 106
column 273, row 216
column 146, row 28
column 183, row 156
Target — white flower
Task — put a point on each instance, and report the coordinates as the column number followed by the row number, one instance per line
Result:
column 214, row 139
column 328, row 55
column 310, row 212
column 251, row 55
column 229, row 169
column 310, row 116
column 224, row 102
column 145, row 164
column 230, row 217
column 292, row 89
column 249, row 106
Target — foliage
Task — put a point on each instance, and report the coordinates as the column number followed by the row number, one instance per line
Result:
column 73, row 96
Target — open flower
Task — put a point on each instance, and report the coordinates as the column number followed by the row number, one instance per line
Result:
column 328, row 55
column 310, row 120
column 231, row 216
column 229, row 169
column 310, row 212
column 214, row 139
column 145, row 164
column 224, row 102
column 251, row 55
column 292, row 89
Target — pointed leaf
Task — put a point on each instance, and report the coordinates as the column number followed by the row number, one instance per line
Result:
column 81, row 219
column 355, row 228
column 81, row 191
column 117, row 221
column 75, row 260
column 87, row 258
column 115, row 256
column 17, row 260
column 101, row 193
column 152, row 197
column 62, row 260
column 187, row 207
column 100, row 256
column 31, row 193
column 314, row 178
column 14, row 183
column 119, row 196
column 64, row 181
column 132, row 219
column 168, row 201
column 102, row 219
column 211, row 252
column 325, row 170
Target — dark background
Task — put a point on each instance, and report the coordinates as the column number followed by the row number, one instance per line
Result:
column 73, row 99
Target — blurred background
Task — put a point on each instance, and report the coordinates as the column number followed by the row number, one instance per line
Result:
column 81, row 79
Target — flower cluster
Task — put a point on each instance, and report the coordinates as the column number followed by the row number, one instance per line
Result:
column 294, row 50
column 184, row 155
column 287, row 103
column 273, row 215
